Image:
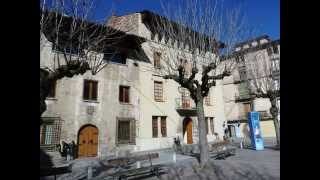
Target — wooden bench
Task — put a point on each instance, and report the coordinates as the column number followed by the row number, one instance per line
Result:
column 139, row 171
column 54, row 171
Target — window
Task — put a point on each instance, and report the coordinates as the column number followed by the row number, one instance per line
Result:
column 158, row 91
column 90, row 90
column 247, row 108
column 154, row 126
column 275, row 49
column 164, row 126
column 50, row 131
column 211, row 125
column 276, row 84
column 52, row 90
column 243, row 74
column 207, row 99
column 124, row 94
column 126, row 131
column 207, row 125
column 156, row 59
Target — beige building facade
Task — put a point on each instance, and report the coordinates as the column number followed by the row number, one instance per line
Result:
column 127, row 105
column 237, row 99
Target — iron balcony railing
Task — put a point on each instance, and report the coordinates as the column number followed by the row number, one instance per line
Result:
column 185, row 103
column 263, row 115
column 243, row 97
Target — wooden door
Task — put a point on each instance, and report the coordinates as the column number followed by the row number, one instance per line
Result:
column 88, row 142
column 189, row 132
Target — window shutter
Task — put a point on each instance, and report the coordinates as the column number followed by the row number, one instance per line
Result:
column 163, row 126
column 133, row 132
column 86, row 90
column 121, row 94
column 94, row 90
column 126, row 94
column 154, row 126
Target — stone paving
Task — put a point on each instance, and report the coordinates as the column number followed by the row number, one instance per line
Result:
column 246, row 164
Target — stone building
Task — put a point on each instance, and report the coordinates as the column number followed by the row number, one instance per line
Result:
column 127, row 105
column 238, row 101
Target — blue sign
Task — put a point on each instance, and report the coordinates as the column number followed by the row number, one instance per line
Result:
column 255, row 130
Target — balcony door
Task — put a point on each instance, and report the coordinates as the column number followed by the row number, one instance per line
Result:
column 185, row 98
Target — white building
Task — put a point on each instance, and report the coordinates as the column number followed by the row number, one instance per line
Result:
column 238, row 102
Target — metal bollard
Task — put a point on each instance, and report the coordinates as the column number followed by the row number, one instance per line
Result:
column 68, row 157
column 89, row 176
column 174, row 156
column 138, row 164
column 241, row 145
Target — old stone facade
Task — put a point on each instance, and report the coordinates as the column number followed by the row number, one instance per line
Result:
column 133, row 107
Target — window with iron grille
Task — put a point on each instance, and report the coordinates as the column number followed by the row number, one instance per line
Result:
column 158, row 91
column 164, row 126
column 211, row 125
column 125, row 131
column 50, row 131
column 52, row 90
column 154, row 126
column 156, row 59
column 90, row 90
column 124, row 94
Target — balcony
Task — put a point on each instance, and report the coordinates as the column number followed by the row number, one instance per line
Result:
column 186, row 106
column 264, row 115
column 243, row 97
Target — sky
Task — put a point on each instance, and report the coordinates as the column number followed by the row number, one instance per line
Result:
column 262, row 15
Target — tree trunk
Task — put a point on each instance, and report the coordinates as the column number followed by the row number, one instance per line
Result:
column 277, row 128
column 274, row 112
column 203, row 142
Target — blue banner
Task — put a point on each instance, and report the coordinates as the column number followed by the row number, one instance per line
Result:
column 255, row 130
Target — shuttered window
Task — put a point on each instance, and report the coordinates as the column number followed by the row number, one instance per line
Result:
column 164, row 126
column 156, row 59
column 126, row 131
column 154, row 126
column 90, row 90
column 124, row 94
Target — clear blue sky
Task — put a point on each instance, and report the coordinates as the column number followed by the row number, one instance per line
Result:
column 263, row 15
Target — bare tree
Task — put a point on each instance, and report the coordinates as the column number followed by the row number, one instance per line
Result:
column 78, row 39
column 191, row 30
column 263, row 83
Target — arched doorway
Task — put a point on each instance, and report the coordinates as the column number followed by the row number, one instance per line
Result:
column 88, row 141
column 187, row 130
